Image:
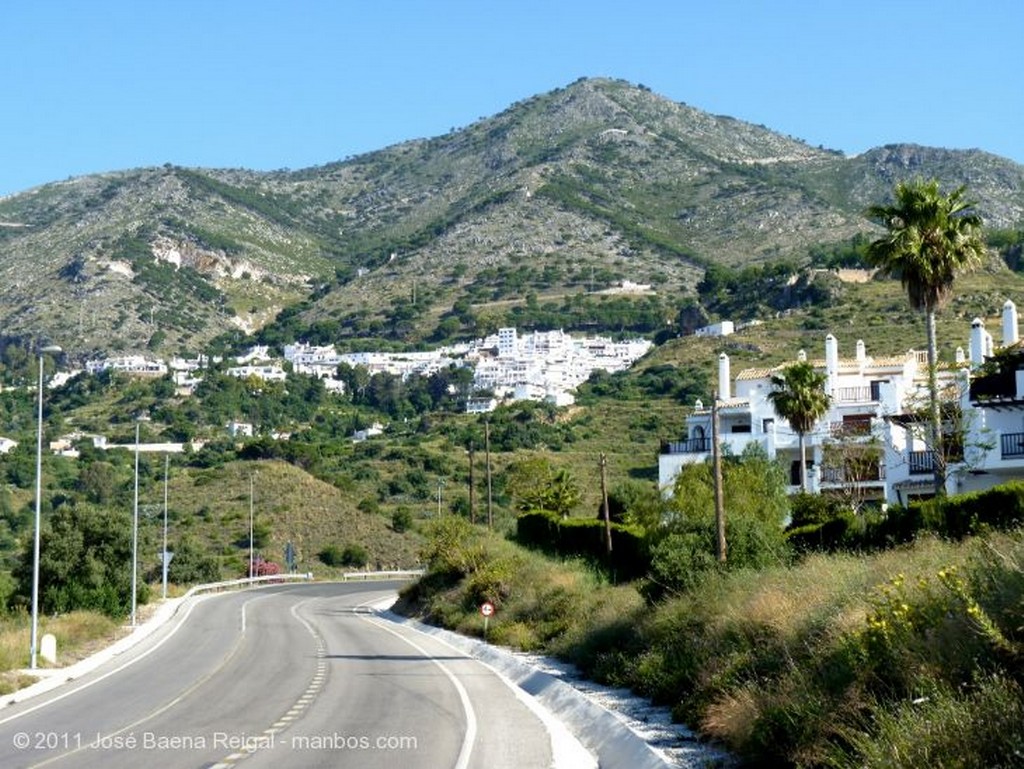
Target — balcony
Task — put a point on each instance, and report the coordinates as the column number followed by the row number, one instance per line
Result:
column 921, row 462
column 853, row 475
column 1011, row 445
column 692, row 446
column 855, row 395
column 856, row 426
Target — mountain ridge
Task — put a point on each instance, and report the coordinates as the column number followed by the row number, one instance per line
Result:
column 564, row 192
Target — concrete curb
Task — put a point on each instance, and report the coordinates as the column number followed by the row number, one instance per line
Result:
column 597, row 728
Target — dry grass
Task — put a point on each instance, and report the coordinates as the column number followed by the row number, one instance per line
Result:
column 213, row 506
column 78, row 635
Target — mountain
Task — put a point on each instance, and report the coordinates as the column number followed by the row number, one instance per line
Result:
column 564, row 193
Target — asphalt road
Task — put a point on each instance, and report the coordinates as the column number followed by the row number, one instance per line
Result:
column 287, row 676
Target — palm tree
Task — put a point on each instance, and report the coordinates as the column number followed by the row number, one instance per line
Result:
column 931, row 238
column 798, row 396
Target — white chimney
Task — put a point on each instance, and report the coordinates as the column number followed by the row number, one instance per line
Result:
column 862, row 354
column 723, row 377
column 961, row 356
column 802, row 356
column 1010, row 335
column 831, row 362
column 977, row 346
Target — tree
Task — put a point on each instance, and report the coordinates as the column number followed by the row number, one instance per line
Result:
column 683, row 549
column 798, row 396
column 931, row 238
column 536, row 484
column 86, row 553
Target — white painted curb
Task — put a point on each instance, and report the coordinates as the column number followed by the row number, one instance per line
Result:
column 598, row 729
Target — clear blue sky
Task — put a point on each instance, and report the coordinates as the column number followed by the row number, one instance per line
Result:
column 99, row 85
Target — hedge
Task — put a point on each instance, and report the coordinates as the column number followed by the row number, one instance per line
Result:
column 956, row 517
column 585, row 537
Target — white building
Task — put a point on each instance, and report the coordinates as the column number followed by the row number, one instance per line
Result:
column 864, row 391
column 881, row 400
column 724, row 328
column 270, row 372
column 546, row 365
column 136, row 365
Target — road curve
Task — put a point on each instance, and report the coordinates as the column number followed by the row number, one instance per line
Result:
column 286, row 676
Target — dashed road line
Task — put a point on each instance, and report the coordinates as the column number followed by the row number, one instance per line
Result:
column 296, row 711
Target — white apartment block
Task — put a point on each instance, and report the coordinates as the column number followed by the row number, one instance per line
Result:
column 864, row 391
column 546, row 365
column 136, row 365
column 876, row 409
column 270, row 372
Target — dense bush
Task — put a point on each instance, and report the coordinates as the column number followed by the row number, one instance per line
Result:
column 585, row 537
column 818, row 524
column 350, row 555
column 83, row 553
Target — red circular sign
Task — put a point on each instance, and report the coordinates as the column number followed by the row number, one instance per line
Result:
column 487, row 608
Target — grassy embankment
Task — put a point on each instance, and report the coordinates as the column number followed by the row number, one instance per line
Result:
column 911, row 657
column 78, row 634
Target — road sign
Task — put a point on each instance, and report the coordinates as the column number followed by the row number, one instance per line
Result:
column 487, row 608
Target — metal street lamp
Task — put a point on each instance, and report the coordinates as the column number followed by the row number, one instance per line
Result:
column 251, row 527
column 135, row 530
column 34, row 642
column 166, row 562
column 135, row 525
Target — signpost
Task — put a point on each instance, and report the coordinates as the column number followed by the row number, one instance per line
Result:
column 486, row 609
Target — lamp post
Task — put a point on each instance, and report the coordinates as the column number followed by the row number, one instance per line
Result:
column 166, row 562
column 251, row 527
column 135, row 529
column 34, row 642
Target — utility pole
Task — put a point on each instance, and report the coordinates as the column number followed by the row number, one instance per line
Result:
column 472, row 487
column 604, row 505
column 487, row 451
column 716, row 461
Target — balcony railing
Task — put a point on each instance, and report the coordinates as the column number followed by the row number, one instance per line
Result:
column 921, row 462
column 867, row 474
column 692, row 446
column 1012, row 445
column 850, row 428
column 853, row 395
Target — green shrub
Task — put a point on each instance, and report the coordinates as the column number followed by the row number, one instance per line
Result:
column 354, row 555
column 331, row 556
column 401, row 519
column 585, row 537
column 975, row 727
column 351, row 555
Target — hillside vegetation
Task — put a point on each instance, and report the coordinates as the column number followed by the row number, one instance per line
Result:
column 557, row 198
column 902, row 658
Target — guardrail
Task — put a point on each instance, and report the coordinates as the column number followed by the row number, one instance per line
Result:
column 230, row 583
column 399, row 574
column 308, row 576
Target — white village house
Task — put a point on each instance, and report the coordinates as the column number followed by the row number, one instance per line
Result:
column 871, row 441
